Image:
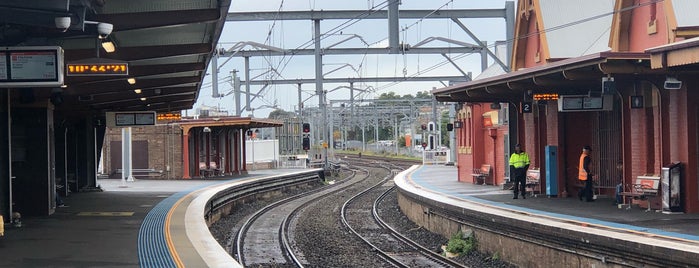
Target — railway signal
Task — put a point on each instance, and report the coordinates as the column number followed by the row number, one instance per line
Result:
column 306, row 143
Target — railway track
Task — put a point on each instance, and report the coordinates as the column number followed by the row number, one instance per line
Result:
column 361, row 215
column 279, row 234
column 264, row 239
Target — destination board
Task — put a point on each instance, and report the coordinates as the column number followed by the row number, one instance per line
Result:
column 580, row 103
column 3, row 66
column 31, row 67
column 130, row 119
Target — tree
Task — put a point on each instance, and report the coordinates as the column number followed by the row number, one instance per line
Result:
column 423, row 95
column 389, row 96
column 444, row 120
column 279, row 113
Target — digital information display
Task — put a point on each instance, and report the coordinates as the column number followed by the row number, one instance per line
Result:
column 129, row 119
column 584, row 103
column 169, row 116
column 96, row 69
column 545, row 96
column 31, row 66
column 124, row 119
column 3, row 68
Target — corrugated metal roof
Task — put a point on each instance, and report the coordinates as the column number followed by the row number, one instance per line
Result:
column 571, row 32
column 686, row 12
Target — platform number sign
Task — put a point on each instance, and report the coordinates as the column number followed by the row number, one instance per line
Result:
column 527, row 107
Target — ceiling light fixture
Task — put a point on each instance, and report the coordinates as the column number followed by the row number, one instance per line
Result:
column 131, row 81
column 108, row 46
column 138, row 91
column 143, row 99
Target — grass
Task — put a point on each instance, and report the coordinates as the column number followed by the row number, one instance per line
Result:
column 459, row 245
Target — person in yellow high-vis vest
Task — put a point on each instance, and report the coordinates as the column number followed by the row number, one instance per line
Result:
column 519, row 163
column 585, row 174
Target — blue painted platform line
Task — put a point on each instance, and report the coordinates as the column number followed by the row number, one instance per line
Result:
column 429, row 178
column 153, row 251
column 152, row 247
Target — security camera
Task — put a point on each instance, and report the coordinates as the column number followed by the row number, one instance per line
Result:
column 104, row 29
column 672, row 83
column 62, row 23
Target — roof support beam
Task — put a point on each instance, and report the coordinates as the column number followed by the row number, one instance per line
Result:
column 156, row 19
column 134, row 54
column 142, row 84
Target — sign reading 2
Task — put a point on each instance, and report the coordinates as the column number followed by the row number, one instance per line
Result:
column 527, row 107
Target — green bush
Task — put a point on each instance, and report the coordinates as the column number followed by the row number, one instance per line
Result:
column 458, row 245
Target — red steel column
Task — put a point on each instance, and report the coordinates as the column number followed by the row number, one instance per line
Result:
column 227, row 152
column 236, row 152
column 243, row 150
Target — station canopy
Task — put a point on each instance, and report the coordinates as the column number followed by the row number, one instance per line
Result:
column 166, row 44
column 573, row 76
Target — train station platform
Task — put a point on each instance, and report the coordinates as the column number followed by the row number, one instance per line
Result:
column 102, row 229
column 97, row 229
column 443, row 180
column 547, row 232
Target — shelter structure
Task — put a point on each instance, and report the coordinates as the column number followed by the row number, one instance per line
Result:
column 103, row 56
column 185, row 149
column 616, row 75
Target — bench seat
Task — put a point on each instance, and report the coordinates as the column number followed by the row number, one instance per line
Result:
column 644, row 188
column 143, row 172
column 482, row 175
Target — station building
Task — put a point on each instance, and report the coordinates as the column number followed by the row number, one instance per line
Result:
column 615, row 75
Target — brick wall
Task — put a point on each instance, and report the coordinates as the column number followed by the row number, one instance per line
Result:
column 164, row 148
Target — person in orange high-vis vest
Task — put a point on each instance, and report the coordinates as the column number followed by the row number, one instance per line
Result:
column 585, row 174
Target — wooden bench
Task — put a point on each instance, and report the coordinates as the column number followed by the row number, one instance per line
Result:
column 644, row 188
column 482, row 175
column 533, row 184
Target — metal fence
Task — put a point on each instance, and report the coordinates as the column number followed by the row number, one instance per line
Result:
column 293, row 161
column 436, row 157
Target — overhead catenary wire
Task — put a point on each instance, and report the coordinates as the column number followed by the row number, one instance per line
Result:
column 562, row 26
column 337, row 29
column 422, row 71
column 306, row 44
column 329, row 33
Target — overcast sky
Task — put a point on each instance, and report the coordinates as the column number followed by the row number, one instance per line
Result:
column 293, row 34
